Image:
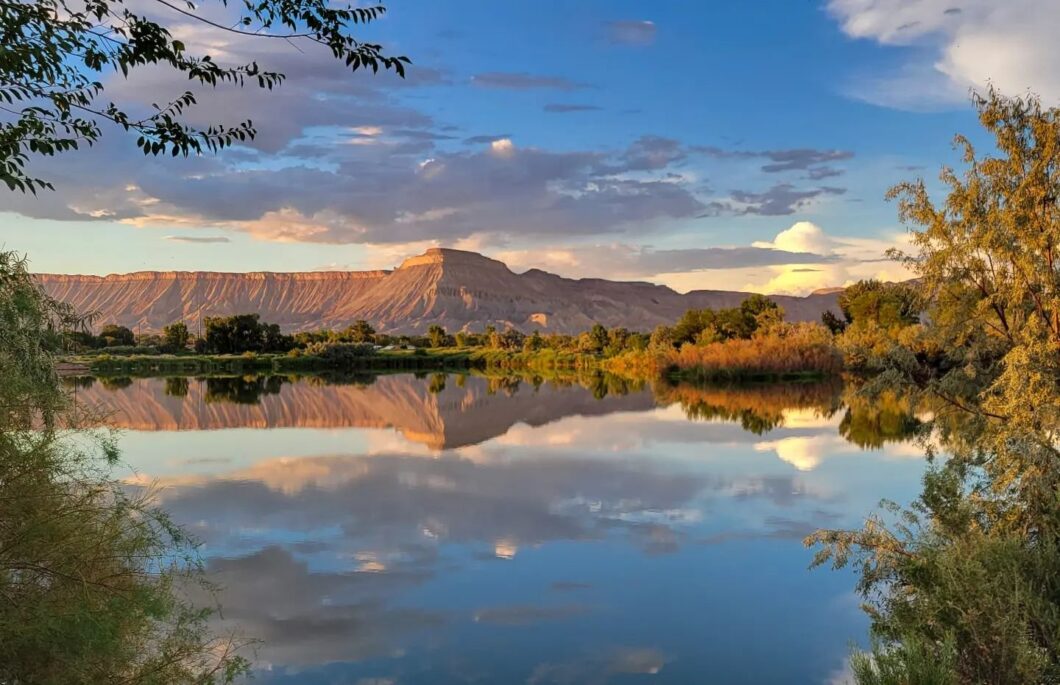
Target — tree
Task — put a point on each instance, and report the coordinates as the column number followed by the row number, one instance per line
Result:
column 598, row 338
column 112, row 334
column 437, row 335
column 882, row 304
column 360, row 332
column 92, row 577
column 970, row 574
column 662, row 337
column 273, row 339
column 533, row 342
column 175, row 337
column 56, row 52
column 233, row 334
column 833, row 322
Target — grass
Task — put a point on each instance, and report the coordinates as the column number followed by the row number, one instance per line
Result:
column 197, row 365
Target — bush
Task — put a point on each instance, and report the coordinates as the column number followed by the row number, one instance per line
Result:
column 785, row 350
column 339, row 353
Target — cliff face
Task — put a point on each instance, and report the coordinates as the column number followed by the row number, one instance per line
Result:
column 453, row 288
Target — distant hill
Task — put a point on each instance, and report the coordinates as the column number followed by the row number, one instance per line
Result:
column 454, row 288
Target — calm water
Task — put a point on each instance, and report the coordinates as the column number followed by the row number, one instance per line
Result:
column 453, row 530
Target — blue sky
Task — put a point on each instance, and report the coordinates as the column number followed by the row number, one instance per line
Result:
column 711, row 144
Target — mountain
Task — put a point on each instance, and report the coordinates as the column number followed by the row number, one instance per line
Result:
column 454, row 288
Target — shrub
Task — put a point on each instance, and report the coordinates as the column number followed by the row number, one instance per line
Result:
column 339, row 353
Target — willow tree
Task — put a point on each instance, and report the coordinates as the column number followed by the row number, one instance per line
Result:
column 95, row 584
column 969, row 577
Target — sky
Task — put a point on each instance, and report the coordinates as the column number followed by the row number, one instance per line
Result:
column 727, row 145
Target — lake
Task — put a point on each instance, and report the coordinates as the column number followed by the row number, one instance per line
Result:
column 459, row 529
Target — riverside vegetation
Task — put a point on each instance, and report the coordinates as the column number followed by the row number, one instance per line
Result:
column 96, row 584
column 749, row 342
column 962, row 586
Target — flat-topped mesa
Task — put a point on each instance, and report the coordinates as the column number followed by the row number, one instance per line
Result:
column 456, row 289
column 452, row 257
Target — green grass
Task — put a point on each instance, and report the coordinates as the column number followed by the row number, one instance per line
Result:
column 197, row 365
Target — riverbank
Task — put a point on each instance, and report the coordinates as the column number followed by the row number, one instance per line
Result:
column 788, row 359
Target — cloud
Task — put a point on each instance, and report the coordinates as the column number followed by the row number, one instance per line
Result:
column 951, row 49
column 523, row 81
column 803, row 236
column 788, row 159
column 802, row 158
column 631, row 32
column 807, row 259
column 480, row 139
column 381, row 194
column 565, row 108
column 624, row 261
column 197, row 239
column 652, row 152
column 502, row 147
column 779, row 200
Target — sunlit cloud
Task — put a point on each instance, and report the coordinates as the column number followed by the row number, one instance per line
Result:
column 968, row 45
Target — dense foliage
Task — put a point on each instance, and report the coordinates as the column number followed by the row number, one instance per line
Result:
column 56, row 53
column 968, row 579
column 93, row 580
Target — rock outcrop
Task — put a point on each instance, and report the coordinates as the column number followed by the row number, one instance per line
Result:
column 454, row 288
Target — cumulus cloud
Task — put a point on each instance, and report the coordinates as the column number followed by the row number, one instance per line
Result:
column 523, row 81
column 631, row 32
column 503, row 147
column 969, row 44
column 803, row 236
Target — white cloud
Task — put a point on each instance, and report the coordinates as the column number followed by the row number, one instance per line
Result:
column 956, row 46
column 367, row 130
column 503, row 147
column 798, row 260
column 803, row 236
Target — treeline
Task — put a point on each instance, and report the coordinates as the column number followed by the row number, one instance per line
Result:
column 751, row 340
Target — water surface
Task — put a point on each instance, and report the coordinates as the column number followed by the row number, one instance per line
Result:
column 473, row 530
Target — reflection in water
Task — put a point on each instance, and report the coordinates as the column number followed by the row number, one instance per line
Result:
column 438, row 414
column 447, row 529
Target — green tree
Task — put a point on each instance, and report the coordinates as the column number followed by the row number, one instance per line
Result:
column 437, row 335
column 832, row 322
column 234, row 334
column 112, row 334
column 598, row 338
column 973, row 566
column 533, row 342
column 53, row 85
column 175, row 337
column 360, row 332
column 882, row 304
column 91, row 576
